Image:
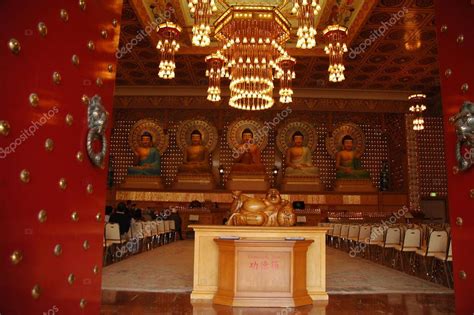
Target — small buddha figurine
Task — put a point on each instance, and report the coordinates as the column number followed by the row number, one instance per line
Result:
column 147, row 158
column 249, row 159
column 195, row 156
column 348, row 164
column 298, row 158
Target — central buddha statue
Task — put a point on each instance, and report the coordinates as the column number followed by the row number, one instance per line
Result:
column 147, row 158
column 348, row 164
column 195, row 156
column 249, row 156
column 298, row 158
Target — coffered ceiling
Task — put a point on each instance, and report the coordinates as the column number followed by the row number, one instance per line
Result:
column 392, row 46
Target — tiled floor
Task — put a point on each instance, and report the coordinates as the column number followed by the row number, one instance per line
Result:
column 169, row 268
column 136, row 303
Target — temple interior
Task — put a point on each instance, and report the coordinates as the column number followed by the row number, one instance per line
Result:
column 259, row 157
column 346, row 153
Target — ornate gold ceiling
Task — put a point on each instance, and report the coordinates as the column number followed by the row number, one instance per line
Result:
column 403, row 58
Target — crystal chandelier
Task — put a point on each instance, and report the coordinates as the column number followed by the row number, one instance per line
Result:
column 202, row 11
column 286, row 74
column 169, row 33
column 215, row 71
column 252, row 38
column 335, row 37
column 306, row 10
column 417, row 108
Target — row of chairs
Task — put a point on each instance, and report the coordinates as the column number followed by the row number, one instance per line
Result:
column 421, row 250
column 142, row 235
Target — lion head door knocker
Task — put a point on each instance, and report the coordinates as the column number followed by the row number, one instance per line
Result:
column 464, row 126
column 97, row 118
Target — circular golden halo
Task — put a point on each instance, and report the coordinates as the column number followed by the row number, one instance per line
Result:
column 285, row 135
column 334, row 142
column 156, row 131
column 208, row 132
column 234, row 133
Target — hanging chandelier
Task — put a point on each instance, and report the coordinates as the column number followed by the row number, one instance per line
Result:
column 202, row 11
column 417, row 108
column 215, row 71
column 286, row 74
column 306, row 11
column 251, row 39
column 168, row 46
column 335, row 36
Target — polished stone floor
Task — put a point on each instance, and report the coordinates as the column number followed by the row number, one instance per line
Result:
column 147, row 303
column 169, row 269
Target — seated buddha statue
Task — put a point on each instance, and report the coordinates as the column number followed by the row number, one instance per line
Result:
column 298, row 158
column 195, row 156
column 348, row 164
column 147, row 158
column 249, row 157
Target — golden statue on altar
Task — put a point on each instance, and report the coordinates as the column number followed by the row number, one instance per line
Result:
column 196, row 156
column 147, row 141
column 248, row 157
column 297, row 140
column 197, row 139
column 346, row 145
column 269, row 211
column 247, row 138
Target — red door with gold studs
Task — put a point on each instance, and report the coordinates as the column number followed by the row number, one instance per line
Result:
column 55, row 56
column 456, row 50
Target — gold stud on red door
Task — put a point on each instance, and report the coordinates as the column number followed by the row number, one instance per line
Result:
column 42, row 216
column 33, row 99
column 64, row 15
column 75, row 60
column 49, row 145
column 14, row 46
column 25, row 176
column 4, row 128
column 16, row 257
column 42, row 29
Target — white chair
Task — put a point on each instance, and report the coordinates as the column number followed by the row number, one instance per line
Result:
column 391, row 239
column 112, row 242
column 154, row 232
column 411, row 243
column 437, row 244
column 336, row 232
column 343, row 236
column 147, row 234
column 446, row 260
column 376, row 241
column 353, row 234
column 167, row 230
column 138, row 233
column 161, row 231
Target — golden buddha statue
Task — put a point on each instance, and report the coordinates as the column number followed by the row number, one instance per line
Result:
column 195, row 156
column 298, row 158
column 147, row 158
column 348, row 164
column 270, row 211
column 249, row 156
